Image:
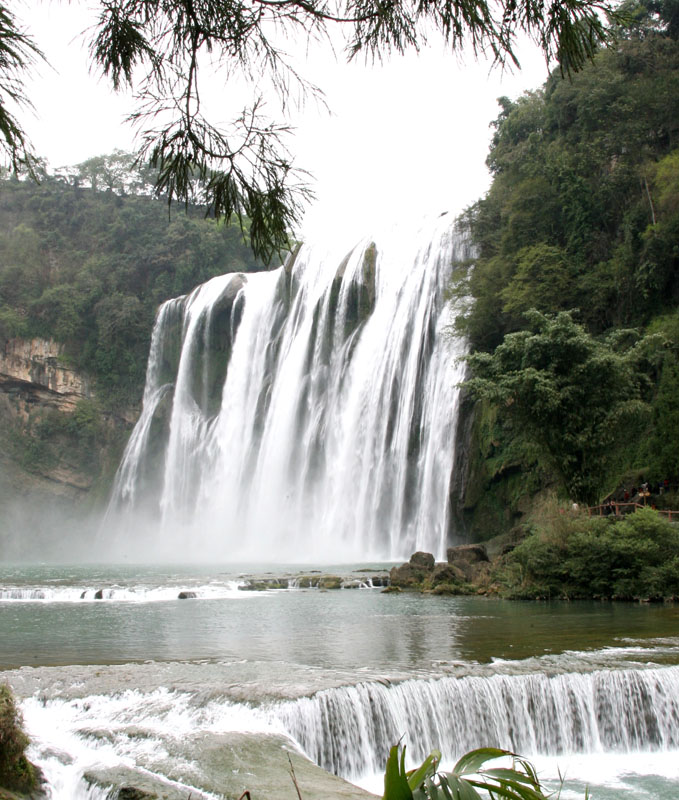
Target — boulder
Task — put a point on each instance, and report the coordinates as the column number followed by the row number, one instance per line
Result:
column 186, row 596
column 423, row 560
column 407, row 575
column 446, row 574
column 99, row 594
column 466, row 553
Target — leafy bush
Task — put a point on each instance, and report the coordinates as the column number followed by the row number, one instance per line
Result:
column 583, row 557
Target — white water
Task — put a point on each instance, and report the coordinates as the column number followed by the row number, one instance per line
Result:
column 331, row 432
column 119, row 594
column 628, row 719
column 620, row 711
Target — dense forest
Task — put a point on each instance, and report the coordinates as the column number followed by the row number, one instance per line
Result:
column 573, row 301
column 87, row 256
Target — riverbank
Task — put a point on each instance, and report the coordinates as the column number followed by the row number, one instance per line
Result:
column 559, row 554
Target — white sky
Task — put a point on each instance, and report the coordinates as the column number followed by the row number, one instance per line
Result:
column 404, row 139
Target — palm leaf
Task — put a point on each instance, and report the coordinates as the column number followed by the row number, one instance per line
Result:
column 471, row 762
column 395, row 782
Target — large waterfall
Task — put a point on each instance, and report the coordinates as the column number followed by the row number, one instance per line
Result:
column 306, row 413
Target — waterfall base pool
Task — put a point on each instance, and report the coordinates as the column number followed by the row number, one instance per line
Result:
column 207, row 693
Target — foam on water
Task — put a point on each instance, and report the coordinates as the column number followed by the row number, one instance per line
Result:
column 600, row 727
column 118, row 594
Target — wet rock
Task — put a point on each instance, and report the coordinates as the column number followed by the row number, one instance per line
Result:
column 391, row 590
column 446, row 574
column 264, row 585
column 130, row 783
column 132, row 793
column 99, row 594
column 329, row 582
column 407, row 576
column 186, row 596
column 422, row 560
column 466, row 553
column 351, row 584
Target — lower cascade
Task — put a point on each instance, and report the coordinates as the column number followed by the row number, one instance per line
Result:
column 603, row 711
column 349, row 730
column 304, row 413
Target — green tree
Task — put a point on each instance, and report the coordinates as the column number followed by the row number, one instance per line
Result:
column 158, row 47
column 582, row 211
column 579, row 398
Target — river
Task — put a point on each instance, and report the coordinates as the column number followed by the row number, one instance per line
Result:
column 147, row 686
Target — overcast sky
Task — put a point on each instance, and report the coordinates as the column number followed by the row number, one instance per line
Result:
column 403, row 139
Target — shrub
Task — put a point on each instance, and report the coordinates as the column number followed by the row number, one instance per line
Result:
column 576, row 556
column 16, row 772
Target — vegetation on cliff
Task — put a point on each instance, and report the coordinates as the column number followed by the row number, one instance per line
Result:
column 17, row 774
column 576, row 243
column 559, row 553
column 87, row 256
column 574, row 556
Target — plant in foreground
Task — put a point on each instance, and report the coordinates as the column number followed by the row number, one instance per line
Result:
column 518, row 782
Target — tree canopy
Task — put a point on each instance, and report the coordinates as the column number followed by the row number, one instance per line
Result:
column 578, row 397
column 161, row 48
column 583, row 210
column 87, row 257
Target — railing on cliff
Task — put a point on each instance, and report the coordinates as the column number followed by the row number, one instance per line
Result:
column 618, row 509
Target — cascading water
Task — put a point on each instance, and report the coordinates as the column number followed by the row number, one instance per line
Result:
column 349, row 730
column 308, row 413
column 607, row 711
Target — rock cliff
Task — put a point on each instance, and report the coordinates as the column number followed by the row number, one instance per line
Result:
column 58, row 448
column 33, row 372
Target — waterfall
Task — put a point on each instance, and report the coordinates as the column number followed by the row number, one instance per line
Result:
column 349, row 730
column 629, row 712
column 307, row 413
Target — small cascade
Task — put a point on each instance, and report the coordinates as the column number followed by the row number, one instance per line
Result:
column 606, row 711
column 630, row 712
column 307, row 413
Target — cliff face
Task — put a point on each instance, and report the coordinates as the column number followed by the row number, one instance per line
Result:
column 32, row 372
column 56, row 441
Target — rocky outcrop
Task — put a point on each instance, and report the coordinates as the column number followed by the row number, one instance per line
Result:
column 33, row 371
column 58, row 449
column 414, row 573
column 19, row 778
column 467, row 570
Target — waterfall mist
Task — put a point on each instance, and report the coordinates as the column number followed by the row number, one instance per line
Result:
column 302, row 414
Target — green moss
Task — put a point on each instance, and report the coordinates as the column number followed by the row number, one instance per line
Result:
column 506, row 476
